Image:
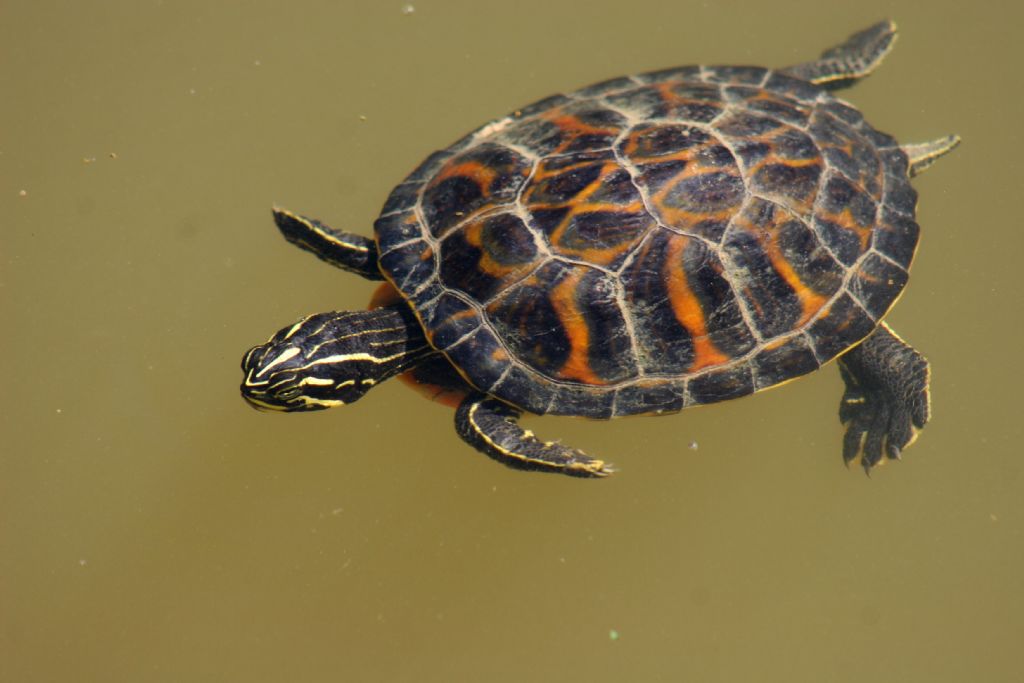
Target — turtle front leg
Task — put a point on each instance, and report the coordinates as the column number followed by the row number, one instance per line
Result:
column 490, row 426
column 886, row 399
column 345, row 250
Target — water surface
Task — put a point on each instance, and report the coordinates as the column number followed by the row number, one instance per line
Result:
column 154, row 528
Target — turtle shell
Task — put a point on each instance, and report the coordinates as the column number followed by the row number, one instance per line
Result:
column 654, row 242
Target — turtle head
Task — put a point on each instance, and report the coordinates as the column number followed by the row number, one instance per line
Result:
column 330, row 359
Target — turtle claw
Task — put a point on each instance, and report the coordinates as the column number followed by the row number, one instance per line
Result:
column 886, row 399
column 492, row 427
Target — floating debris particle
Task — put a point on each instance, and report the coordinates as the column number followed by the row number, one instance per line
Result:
column 408, row 9
column 694, row 445
column 613, row 634
column 22, row 193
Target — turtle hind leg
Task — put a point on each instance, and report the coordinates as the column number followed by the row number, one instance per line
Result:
column 345, row 250
column 923, row 154
column 886, row 401
column 844, row 64
column 490, row 426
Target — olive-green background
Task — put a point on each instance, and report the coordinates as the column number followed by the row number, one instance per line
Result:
column 154, row 528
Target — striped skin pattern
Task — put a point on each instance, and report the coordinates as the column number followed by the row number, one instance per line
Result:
column 654, row 242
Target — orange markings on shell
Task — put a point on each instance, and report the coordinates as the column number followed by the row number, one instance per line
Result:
column 577, row 365
column 687, row 309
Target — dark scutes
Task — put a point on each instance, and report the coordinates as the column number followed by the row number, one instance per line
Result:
column 682, row 100
column 650, row 141
column 520, row 387
column 644, row 102
column 722, row 385
column 777, row 363
column 655, row 174
column 445, row 203
column 409, row 266
column 877, row 283
column 507, row 240
column 540, row 136
column 587, row 401
column 781, row 84
column 841, row 325
column 603, row 87
column 546, row 104
column 745, row 124
column 402, row 198
column 773, row 303
column 547, row 220
column 451, row 321
column 828, row 130
column 600, row 231
column 665, row 345
column 749, row 75
column 695, row 91
column 486, row 175
column 896, row 237
column 752, row 152
column 584, row 198
column 609, row 349
column 525, row 319
column 587, row 126
column 705, row 276
column 844, row 243
column 706, row 193
column 844, row 112
column 483, row 354
column 899, row 195
column 396, row 228
column 617, row 188
column 504, row 251
column 679, row 73
column 562, row 187
column 460, row 268
column 648, row 397
column 797, row 183
column 840, row 195
column 810, row 260
column 785, row 110
column 795, row 145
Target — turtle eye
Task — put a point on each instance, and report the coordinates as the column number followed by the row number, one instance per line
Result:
column 289, row 394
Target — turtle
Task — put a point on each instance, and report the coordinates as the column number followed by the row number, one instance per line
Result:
column 638, row 246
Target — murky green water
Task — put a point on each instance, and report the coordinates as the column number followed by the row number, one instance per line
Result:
column 154, row 528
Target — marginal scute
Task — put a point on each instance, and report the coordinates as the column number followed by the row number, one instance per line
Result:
column 896, row 237
column 841, row 324
column 877, row 283
column 409, row 266
column 779, row 361
column 748, row 75
column 722, row 385
column 650, row 396
column 451, row 321
column 395, row 229
column 481, row 350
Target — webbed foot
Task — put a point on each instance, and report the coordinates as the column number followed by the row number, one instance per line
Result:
column 886, row 400
column 490, row 426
